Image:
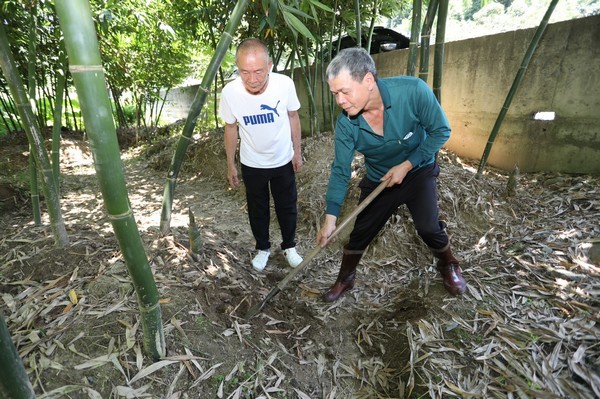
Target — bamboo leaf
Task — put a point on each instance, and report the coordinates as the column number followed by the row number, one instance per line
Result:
column 296, row 25
column 320, row 5
column 292, row 10
column 151, row 369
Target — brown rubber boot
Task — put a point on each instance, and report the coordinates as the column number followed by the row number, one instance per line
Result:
column 448, row 267
column 345, row 279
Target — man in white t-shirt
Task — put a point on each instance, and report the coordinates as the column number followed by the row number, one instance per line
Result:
column 260, row 108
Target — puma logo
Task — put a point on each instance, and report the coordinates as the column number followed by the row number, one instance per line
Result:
column 265, row 106
column 260, row 119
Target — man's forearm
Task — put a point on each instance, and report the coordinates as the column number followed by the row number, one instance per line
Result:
column 231, row 142
column 296, row 131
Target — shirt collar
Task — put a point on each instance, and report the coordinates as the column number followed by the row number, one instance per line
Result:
column 384, row 92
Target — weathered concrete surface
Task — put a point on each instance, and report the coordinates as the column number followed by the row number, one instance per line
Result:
column 563, row 76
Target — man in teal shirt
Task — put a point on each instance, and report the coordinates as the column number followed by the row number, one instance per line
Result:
column 398, row 125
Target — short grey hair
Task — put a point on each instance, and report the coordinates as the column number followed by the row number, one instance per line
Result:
column 355, row 60
column 252, row 44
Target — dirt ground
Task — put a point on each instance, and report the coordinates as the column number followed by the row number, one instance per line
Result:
column 527, row 326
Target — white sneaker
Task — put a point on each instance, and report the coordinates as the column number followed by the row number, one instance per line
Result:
column 260, row 260
column 292, row 257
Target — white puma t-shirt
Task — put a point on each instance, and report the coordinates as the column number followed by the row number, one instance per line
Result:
column 263, row 122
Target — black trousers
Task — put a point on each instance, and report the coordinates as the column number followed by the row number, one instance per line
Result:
column 281, row 182
column 419, row 192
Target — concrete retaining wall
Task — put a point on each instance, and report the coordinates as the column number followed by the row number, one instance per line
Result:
column 563, row 76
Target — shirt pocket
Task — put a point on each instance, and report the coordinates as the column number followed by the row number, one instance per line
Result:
column 409, row 140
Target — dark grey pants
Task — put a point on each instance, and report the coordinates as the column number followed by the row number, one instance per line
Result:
column 419, row 192
column 281, row 182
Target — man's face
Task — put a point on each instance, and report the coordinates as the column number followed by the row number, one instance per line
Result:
column 254, row 67
column 350, row 95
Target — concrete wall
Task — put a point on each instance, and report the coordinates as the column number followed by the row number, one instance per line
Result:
column 563, row 76
column 178, row 103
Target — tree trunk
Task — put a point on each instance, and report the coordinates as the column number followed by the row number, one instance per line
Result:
column 76, row 22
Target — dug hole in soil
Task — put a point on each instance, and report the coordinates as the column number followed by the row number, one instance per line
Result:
column 530, row 261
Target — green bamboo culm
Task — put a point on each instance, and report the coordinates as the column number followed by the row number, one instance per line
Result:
column 372, row 26
column 520, row 75
column 328, row 106
column 305, row 70
column 426, row 39
column 81, row 42
column 35, row 138
column 357, row 23
column 31, row 86
column 413, row 47
column 14, row 383
column 34, row 189
column 57, row 117
column 196, row 107
column 438, row 57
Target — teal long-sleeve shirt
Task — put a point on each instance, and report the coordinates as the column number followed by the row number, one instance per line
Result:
column 415, row 127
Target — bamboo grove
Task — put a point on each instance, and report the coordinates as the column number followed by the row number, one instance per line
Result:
column 73, row 44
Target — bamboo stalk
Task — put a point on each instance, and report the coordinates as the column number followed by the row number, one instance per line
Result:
column 425, row 40
column 330, row 102
column 513, row 89
column 413, row 47
column 34, row 136
column 357, row 23
column 438, row 57
column 195, row 109
column 305, row 70
column 81, row 42
column 14, row 383
column 58, row 109
column 32, row 55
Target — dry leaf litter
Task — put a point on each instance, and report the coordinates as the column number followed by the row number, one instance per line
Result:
column 526, row 328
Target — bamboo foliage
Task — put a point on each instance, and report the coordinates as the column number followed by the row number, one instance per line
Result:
column 438, row 57
column 302, row 19
column 195, row 109
column 513, row 89
column 35, row 138
column 14, row 383
column 81, row 42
